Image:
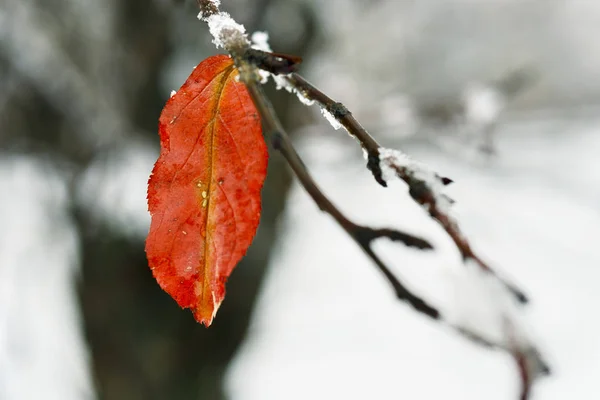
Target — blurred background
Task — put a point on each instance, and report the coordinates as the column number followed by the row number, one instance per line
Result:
column 500, row 95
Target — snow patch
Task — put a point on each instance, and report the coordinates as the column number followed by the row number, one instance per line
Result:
column 392, row 162
column 260, row 41
column 225, row 31
column 282, row 82
column 41, row 339
column 331, row 119
column 303, row 99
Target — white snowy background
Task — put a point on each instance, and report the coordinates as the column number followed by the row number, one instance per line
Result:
column 327, row 324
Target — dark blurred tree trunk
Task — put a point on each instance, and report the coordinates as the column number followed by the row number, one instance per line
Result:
column 142, row 345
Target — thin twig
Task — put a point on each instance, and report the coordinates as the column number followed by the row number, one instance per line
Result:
column 524, row 376
column 363, row 236
column 419, row 190
column 345, row 117
column 424, row 194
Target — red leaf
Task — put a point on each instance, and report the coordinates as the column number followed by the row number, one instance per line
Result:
column 204, row 191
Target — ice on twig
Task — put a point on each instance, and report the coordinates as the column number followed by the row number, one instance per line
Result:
column 281, row 82
column 303, row 99
column 331, row 119
column 396, row 164
column 260, row 41
column 225, row 31
column 229, row 34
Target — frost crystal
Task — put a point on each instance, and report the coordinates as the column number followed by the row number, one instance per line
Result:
column 394, row 162
column 365, row 153
column 229, row 34
column 225, row 31
column 303, row 99
column 260, row 41
column 389, row 158
column 282, row 83
column 331, row 119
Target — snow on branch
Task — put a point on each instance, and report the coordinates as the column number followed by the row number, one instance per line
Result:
column 424, row 186
column 425, row 183
column 226, row 32
column 260, row 41
column 248, row 60
column 231, row 36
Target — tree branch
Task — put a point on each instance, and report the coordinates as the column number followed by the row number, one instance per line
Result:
column 424, row 187
column 420, row 190
column 363, row 236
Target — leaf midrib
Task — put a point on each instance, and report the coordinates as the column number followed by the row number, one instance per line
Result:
column 213, row 121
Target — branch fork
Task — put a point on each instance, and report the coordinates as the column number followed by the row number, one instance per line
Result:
column 424, row 185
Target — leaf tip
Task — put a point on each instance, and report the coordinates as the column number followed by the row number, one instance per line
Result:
column 206, row 314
